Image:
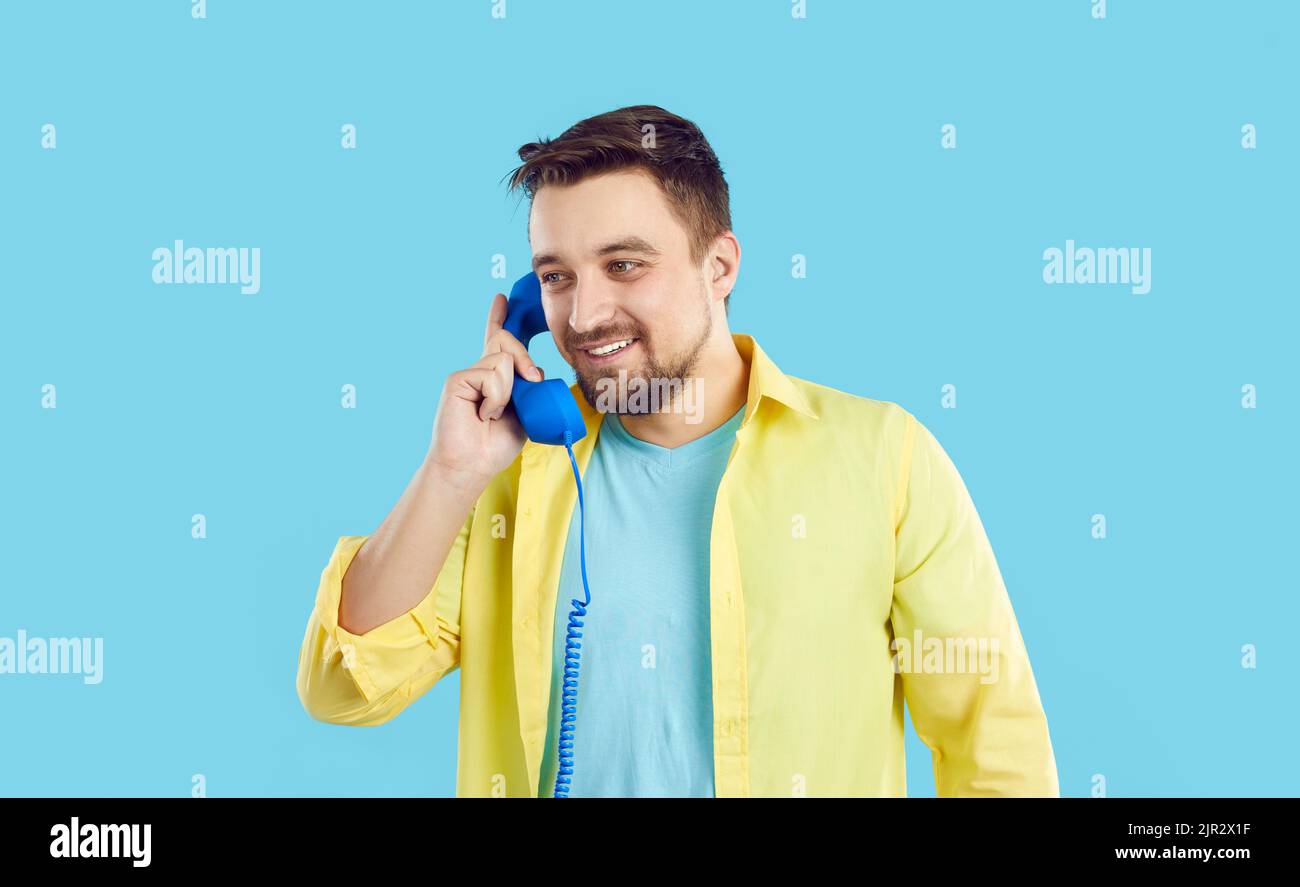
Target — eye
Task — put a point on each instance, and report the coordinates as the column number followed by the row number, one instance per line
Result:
column 624, row 262
column 545, row 278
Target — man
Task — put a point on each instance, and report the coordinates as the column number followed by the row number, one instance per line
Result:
column 773, row 570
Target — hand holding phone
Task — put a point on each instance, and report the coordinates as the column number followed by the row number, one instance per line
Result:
column 475, row 434
column 546, row 409
column 488, row 410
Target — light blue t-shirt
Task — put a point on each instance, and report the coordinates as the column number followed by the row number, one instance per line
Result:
column 645, row 705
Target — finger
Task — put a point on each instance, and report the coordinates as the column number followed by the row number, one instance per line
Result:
column 485, row 387
column 496, row 317
column 491, row 360
column 503, row 341
column 503, row 368
column 497, row 390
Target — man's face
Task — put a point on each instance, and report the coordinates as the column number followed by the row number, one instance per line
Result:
column 615, row 265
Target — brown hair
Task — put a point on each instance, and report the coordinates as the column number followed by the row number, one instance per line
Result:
column 670, row 148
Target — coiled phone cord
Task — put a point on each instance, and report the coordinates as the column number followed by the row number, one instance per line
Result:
column 572, row 644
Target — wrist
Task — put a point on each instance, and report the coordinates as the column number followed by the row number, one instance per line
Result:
column 462, row 483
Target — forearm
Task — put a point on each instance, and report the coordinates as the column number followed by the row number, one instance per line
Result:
column 396, row 567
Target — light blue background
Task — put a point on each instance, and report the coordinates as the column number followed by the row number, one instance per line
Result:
column 924, row 268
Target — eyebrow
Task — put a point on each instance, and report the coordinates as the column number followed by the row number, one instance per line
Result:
column 626, row 244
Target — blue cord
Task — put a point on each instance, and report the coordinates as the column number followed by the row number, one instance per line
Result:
column 572, row 646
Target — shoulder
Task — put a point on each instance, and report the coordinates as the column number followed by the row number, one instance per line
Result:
column 840, row 411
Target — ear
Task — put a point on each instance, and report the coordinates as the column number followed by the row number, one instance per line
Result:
column 723, row 265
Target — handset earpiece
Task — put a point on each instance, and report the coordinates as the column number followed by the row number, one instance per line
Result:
column 546, row 409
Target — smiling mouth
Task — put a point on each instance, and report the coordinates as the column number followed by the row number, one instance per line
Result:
column 609, row 349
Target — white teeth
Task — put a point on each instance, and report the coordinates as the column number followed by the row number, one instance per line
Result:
column 610, row 348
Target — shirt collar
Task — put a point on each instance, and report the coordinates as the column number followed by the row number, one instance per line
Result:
column 765, row 381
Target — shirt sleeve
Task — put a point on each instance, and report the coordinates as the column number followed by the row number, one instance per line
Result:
column 957, row 646
column 368, row 679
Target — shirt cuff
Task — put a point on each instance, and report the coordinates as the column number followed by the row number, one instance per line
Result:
column 382, row 659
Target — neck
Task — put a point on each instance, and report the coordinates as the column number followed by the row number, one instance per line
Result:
column 721, row 387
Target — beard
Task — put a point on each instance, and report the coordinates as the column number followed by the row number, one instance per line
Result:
column 654, row 367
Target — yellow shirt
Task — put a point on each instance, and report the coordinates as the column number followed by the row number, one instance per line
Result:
column 849, row 571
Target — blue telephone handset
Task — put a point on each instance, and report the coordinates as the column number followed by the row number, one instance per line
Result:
column 546, row 409
column 549, row 415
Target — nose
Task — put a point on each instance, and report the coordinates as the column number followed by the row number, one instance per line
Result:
column 594, row 304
